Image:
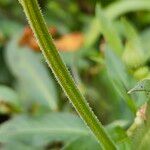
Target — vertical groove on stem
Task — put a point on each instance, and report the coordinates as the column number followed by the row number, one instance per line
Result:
column 61, row 73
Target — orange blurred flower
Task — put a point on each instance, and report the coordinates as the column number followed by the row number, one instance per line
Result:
column 29, row 40
column 68, row 42
column 27, row 34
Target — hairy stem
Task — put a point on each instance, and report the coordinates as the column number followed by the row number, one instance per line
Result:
column 37, row 23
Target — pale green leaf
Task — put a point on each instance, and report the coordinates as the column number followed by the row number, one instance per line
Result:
column 31, row 73
column 18, row 146
column 113, row 11
column 92, row 32
column 141, row 136
column 109, row 32
column 124, row 6
column 8, row 27
column 133, row 54
column 83, row 143
column 43, row 129
column 143, row 85
column 119, row 76
column 117, row 131
column 9, row 97
column 145, row 36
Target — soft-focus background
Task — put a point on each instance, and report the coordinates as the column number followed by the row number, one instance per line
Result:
column 107, row 50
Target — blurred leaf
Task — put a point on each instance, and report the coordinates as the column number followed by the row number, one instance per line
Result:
column 68, row 128
column 145, row 36
column 92, row 32
column 55, row 10
column 143, row 85
column 8, row 95
column 141, row 72
column 8, row 27
column 9, row 98
column 68, row 57
column 133, row 55
column 129, row 30
column 5, row 3
column 117, row 131
column 122, row 140
column 31, row 73
column 120, row 7
column 18, row 146
column 83, row 143
column 112, row 11
column 118, row 74
column 75, row 59
column 141, row 136
column 43, row 129
column 109, row 32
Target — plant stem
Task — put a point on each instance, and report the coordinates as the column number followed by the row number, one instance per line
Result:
column 37, row 23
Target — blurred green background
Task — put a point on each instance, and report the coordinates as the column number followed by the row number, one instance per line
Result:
column 107, row 50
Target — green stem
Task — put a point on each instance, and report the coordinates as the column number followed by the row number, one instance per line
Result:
column 37, row 23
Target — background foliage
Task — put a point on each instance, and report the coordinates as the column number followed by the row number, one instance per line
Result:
column 107, row 51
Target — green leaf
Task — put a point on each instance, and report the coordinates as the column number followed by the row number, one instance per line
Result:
column 41, row 130
column 109, row 31
column 113, row 11
column 31, row 73
column 92, row 32
column 117, row 131
column 122, row 140
column 143, row 85
column 145, row 36
column 141, row 136
column 129, row 30
column 83, row 143
column 9, row 98
column 120, row 78
column 133, row 55
column 121, row 7
column 141, row 72
column 8, row 27
column 18, row 146
column 8, row 95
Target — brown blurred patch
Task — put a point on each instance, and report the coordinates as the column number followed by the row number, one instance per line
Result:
column 68, row 42
column 27, row 34
column 29, row 40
